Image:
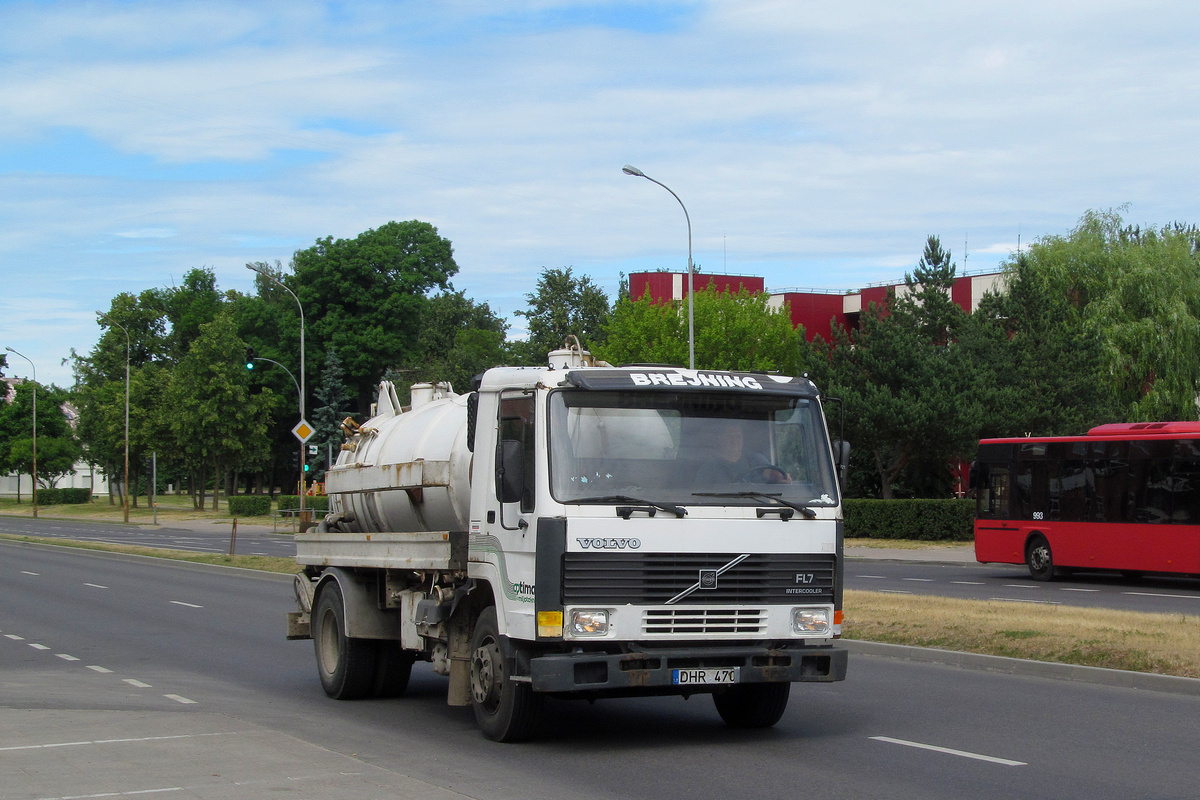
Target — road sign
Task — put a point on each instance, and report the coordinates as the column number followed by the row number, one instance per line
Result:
column 312, row 449
column 303, row 431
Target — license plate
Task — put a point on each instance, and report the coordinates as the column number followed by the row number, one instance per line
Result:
column 692, row 676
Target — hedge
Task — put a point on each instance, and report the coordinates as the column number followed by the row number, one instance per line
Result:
column 249, row 505
column 54, row 497
column 928, row 520
column 288, row 502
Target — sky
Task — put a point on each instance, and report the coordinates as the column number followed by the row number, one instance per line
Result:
column 814, row 144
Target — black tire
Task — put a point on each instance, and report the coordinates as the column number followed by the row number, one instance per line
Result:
column 347, row 666
column 505, row 710
column 1039, row 558
column 752, row 705
column 393, row 666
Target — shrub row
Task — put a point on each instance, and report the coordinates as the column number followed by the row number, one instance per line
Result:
column 249, row 505
column 54, row 497
column 288, row 502
column 928, row 520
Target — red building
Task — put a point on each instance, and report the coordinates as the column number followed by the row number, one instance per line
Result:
column 815, row 310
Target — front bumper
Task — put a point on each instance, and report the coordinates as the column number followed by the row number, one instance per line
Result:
column 647, row 670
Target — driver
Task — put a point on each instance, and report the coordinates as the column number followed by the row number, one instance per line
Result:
column 733, row 465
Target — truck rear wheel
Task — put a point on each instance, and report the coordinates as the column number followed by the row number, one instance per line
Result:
column 752, row 705
column 347, row 666
column 505, row 710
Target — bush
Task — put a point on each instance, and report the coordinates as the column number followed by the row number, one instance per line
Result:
column 53, row 497
column 290, row 502
column 249, row 505
column 927, row 520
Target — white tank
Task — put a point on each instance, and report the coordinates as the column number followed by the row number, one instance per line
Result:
column 406, row 469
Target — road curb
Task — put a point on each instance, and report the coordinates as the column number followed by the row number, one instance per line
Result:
column 1102, row 676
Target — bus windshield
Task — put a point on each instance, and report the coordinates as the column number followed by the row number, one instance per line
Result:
column 694, row 448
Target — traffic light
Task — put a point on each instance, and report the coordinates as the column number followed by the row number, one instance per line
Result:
column 307, row 467
column 249, row 358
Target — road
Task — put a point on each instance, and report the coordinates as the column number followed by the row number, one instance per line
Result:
column 965, row 579
column 1011, row 583
column 120, row 674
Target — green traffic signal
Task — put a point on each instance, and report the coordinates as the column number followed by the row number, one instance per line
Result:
column 249, row 358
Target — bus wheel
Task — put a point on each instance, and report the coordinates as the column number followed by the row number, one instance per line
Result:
column 346, row 666
column 1039, row 559
column 505, row 710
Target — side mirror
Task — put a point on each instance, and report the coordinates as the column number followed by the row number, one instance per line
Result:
column 510, row 471
column 841, row 457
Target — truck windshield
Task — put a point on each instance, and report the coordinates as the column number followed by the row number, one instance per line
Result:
column 693, row 448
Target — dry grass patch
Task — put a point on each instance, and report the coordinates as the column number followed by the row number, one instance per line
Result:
column 1167, row 644
column 286, row 566
column 908, row 544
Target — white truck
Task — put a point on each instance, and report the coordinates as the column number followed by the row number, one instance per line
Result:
column 582, row 531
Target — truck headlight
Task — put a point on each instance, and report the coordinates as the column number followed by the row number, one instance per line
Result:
column 589, row 622
column 810, row 621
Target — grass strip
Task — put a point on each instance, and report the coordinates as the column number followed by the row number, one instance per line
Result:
column 1166, row 644
column 282, row 565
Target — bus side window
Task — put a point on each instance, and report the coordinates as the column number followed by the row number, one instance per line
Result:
column 994, row 488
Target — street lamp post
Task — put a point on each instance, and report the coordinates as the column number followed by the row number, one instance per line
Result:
column 273, row 279
column 34, row 368
column 109, row 321
column 628, row 170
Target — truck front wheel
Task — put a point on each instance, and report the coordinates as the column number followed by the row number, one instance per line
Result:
column 752, row 705
column 505, row 710
column 347, row 666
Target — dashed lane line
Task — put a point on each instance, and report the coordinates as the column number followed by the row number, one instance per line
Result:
column 181, row 603
column 951, row 752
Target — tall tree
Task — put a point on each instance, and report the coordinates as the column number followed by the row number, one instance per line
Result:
column 333, row 403
column 733, row 331
column 364, row 296
column 563, row 304
column 458, row 339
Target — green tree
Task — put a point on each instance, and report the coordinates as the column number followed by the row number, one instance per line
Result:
column 912, row 401
column 459, row 339
column 365, row 296
column 563, row 304
column 57, row 447
column 333, row 404
column 1137, row 290
column 217, row 423
column 733, row 331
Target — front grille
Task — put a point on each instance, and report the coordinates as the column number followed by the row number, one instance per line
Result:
column 703, row 621
column 654, row 578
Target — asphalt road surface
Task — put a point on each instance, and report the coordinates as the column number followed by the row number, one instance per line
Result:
column 202, row 536
column 1011, row 583
column 121, row 675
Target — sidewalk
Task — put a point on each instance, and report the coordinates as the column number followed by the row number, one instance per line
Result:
column 963, row 553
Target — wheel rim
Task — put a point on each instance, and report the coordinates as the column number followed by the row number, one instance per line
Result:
column 486, row 675
column 330, row 642
column 1039, row 557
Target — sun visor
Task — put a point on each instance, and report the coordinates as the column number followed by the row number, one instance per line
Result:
column 678, row 379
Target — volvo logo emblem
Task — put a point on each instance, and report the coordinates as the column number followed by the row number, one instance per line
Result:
column 708, row 579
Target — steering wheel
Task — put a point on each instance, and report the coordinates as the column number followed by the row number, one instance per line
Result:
column 757, row 473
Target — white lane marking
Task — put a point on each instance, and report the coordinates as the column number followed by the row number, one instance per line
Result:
column 1073, row 589
column 115, row 794
column 873, row 577
column 38, row 646
column 948, row 751
column 66, row 657
column 14, row 637
column 189, row 605
column 969, row 583
column 27, row 572
column 137, row 683
column 1156, row 594
column 1020, row 586
column 894, row 591
column 918, row 580
column 95, row 586
column 98, row 669
column 1022, row 600
column 116, row 741
column 179, row 699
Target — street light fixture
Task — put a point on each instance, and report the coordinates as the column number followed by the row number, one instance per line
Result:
column 266, row 274
column 34, row 368
column 629, row 170
column 108, row 320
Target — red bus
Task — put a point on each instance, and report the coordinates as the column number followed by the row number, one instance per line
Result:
column 1124, row 497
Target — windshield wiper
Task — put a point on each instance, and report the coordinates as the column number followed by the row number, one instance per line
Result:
column 625, row 511
column 805, row 511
